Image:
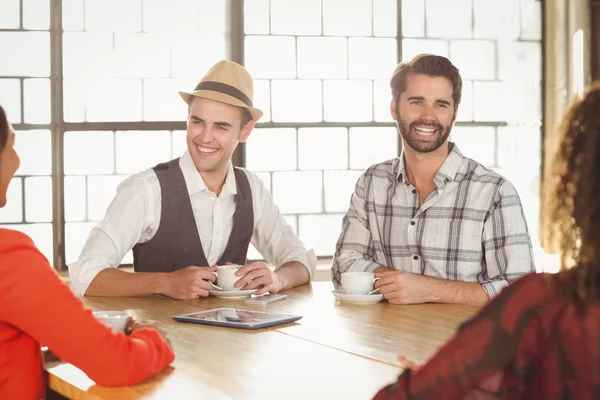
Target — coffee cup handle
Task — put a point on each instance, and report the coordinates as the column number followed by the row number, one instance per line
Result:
column 376, row 279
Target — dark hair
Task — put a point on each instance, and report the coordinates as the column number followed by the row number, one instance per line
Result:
column 246, row 116
column 3, row 129
column 427, row 64
column 572, row 201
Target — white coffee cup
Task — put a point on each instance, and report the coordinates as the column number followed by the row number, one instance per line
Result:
column 358, row 283
column 117, row 320
column 226, row 276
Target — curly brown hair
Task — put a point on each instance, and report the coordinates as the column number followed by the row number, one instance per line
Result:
column 572, row 201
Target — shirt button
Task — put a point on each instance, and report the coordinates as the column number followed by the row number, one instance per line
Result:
column 415, row 257
column 218, row 232
column 414, row 191
column 412, row 222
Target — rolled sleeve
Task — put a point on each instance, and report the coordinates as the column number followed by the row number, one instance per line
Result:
column 506, row 241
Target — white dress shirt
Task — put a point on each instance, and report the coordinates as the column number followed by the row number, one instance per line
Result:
column 134, row 216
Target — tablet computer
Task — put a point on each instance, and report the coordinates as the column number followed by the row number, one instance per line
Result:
column 237, row 318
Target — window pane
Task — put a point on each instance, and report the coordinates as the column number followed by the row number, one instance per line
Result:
column 75, row 237
column 496, row 19
column 87, row 55
column 36, row 14
column 383, row 96
column 322, row 57
column 212, row 17
column 256, row 16
column 297, row 100
column 262, row 98
column 519, row 146
column 370, row 146
column 323, row 148
column 179, row 143
column 259, row 150
column 33, row 57
column 38, row 199
column 114, row 100
column 339, row 186
column 478, row 143
column 13, row 210
column 162, row 101
column 347, row 18
column 296, row 17
column 521, row 61
column 37, row 101
column 372, row 58
column 260, row 61
column 412, row 47
column 156, row 149
column 72, row 15
column 350, row 101
column 298, row 192
column 113, row 15
column 447, row 19
column 321, row 232
column 465, row 109
column 483, row 66
column 101, row 191
column 193, row 55
column 34, row 149
column 75, row 198
column 79, row 160
column 384, row 18
column 487, row 98
column 413, row 18
column 531, row 20
column 9, row 17
column 41, row 234
column 10, row 99
column 142, row 55
column 170, row 16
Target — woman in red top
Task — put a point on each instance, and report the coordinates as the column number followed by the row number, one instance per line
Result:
column 540, row 337
column 37, row 307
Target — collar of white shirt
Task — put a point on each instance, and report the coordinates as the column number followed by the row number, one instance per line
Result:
column 195, row 183
column 447, row 172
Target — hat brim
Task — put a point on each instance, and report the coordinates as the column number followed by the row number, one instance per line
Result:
column 223, row 98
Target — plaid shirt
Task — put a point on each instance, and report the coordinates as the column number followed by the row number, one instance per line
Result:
column 470, row 228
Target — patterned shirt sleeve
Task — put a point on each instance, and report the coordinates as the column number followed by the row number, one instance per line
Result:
column 506, row 242
column 477, row 363
column 354, row 249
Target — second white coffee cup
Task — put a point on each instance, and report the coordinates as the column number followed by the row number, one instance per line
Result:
column 358, row 283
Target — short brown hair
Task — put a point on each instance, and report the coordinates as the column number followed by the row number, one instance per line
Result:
column 427, row 64
column 4, row 130
column 246, row 116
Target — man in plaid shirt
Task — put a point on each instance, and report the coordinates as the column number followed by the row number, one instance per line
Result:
column 433, row 225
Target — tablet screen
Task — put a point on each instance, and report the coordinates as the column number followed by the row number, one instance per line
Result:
column 235, row 316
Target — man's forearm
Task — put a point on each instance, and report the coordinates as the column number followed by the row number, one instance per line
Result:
column 292, row 274
column 457, row 292
column 112, row 282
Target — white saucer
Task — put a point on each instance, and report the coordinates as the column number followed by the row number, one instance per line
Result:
column 232, row 294
column 357, row 298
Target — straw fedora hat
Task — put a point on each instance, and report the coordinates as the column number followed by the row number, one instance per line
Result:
column 228, row 83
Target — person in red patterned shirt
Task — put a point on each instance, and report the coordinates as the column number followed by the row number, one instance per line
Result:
column 540, row 337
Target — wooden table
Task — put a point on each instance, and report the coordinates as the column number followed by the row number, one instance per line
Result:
column 336, row 350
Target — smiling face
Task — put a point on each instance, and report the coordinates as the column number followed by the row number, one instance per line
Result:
column 214, row 131
column 425, row 112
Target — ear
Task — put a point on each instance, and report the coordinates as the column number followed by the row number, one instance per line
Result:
column 394, row 109
column 246, row 130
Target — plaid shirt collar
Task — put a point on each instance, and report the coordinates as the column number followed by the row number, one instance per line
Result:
column 447, row 172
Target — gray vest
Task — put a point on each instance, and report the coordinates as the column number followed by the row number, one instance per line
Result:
column 176, row 243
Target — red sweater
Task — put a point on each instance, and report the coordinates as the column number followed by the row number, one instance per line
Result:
column 37, row 308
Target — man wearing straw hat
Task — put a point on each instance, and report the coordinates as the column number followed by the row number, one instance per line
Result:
column 184, row 217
